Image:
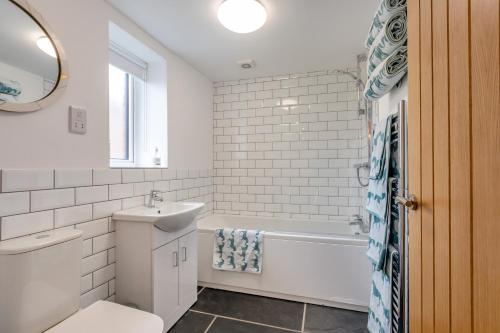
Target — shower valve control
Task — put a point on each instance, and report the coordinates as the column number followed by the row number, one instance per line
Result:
column 77, row 120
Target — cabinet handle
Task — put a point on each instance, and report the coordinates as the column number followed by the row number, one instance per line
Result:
column 175, row 258
column 184, row 253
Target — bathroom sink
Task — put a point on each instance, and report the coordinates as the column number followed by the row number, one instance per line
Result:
column 168, row 216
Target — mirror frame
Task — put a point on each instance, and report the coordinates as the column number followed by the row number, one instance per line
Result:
column 62, row 80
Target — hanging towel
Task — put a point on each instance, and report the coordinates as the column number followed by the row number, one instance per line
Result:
column 379, row 144
column 384, row 11
column 379, row 312
column 392, row 36
column 378, row 198
column 376, row 201
column 387, row 74
column 238, row 250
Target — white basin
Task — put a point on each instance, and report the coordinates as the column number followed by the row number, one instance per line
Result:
column 168, row 216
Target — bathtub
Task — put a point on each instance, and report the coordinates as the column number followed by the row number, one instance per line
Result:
column 307, row 261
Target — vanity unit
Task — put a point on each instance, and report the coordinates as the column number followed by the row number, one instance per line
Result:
column 156, row 269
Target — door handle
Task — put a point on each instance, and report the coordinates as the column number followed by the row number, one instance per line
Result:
column 175, row 259
column 410, row 202
column 184, row 253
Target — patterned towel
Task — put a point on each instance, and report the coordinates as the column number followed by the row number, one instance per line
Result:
column 378, row 196
column 238, row 250
column 376, row 200
column 385, row 9
column 9, row 87
column 379, row 145
column 392, row 36
column 379, row 313
column 387, row 74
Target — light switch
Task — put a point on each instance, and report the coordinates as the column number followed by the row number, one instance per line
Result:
column 77, row 120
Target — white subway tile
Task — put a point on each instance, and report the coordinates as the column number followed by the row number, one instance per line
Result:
column 89, row 298
column 289, row 83
column 120, row 191
column 107, row 176
column 25, row 224
column 112, row 287
column 270, row 85
column 106, row 208
column 14, row 203
column 91, row 194
column 93, row 228
column 142, row 188
column 132, row 202
column 104, row 242
column 73, row 177
column 94, row 262
column 72, row 215
column 86, row 283
column 25, row 180
column 103, row 275
column 326, row 79
column 308, row 81
column 283, row 155
column 87, row 248
column 132, row 175
column 50, row 199
column 111, row 255
column 152, row 174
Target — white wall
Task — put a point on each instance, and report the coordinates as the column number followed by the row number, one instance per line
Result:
column 41, row 139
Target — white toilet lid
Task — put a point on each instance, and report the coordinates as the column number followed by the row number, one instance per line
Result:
column 107, row 317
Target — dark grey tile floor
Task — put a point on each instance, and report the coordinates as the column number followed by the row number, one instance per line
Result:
column 220, row 311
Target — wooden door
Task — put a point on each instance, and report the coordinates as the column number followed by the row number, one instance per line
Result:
column 454, row 165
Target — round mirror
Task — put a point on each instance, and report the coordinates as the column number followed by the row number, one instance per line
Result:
column 32, row 66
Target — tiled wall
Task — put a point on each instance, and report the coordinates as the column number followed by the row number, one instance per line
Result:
column 285, row 146
column 33, row 201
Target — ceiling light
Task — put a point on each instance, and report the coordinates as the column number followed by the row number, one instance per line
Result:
column 242, row 16
column 45, row 44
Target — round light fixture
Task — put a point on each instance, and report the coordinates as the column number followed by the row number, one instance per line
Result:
column 242, row 16
column 45, row 44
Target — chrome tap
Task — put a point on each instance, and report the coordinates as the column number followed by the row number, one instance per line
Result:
column 154, row 196
column 358, row 220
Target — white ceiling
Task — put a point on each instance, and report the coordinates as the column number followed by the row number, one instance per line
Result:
column 299, row 36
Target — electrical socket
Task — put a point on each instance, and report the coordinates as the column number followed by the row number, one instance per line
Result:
column 77, row 120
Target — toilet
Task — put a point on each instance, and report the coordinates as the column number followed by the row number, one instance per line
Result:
column 40, row 288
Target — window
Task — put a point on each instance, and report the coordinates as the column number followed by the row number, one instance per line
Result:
column 137, row 103
column 127, row 81
column 120, row 115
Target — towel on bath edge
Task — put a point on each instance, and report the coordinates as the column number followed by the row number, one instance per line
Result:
column 384, row 11
column 387, row 74
column 238, row 250
column 393, row 35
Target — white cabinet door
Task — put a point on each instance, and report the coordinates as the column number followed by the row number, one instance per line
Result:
column 166, row 280
column 188, row 272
